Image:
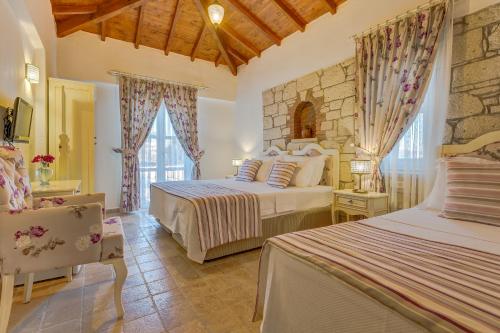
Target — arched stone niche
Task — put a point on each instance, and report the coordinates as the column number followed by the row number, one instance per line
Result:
column 304, row 121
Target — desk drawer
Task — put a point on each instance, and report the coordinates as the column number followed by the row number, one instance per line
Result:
column 346, row 201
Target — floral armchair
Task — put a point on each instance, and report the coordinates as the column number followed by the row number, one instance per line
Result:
column 47, row 233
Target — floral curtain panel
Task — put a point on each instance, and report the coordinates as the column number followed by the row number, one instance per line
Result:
column 393, row 68
column 139, row 103
column 181, row 107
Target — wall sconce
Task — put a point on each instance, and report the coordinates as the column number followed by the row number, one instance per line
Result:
column 32, row 73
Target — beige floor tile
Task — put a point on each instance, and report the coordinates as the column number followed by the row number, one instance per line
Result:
column 161, row 286
column 193, row 326
column 147, row 324
column 135, row 293
column 138, row 309
column 66, row 327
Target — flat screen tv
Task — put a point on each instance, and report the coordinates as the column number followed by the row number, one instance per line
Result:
column 19, row 121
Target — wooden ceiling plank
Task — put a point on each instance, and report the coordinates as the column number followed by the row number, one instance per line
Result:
column 218, row 59
column 104, row 12
column 255, row 20
column 291, row 13
column 170, row 32
column 332, row 6
column 103, row 31
column 237, row 55
column 138, row 27
column 73, row 9
column 198, row 40
column 240, row 39
column 202, row 9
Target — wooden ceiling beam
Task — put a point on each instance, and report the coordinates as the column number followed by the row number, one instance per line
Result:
column 218, row 59
column 240, row 39
column 170, row 32
column 291, row 13
column 202, row 9
column 103, row 31
column 104, row 12
column 237, row 55
column 257, row 21
column 332, row 6
column 138, row 27
column 197, row 42
column 73, row 9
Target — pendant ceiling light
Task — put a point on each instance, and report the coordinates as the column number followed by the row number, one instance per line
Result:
column 216, row 13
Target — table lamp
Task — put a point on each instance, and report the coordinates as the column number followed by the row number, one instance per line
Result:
column 360, row 168
column 237, row 163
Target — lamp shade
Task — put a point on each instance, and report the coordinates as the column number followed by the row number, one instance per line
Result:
column 237, row 162
column 216, row 13
column 32, row 73
column 361, row 167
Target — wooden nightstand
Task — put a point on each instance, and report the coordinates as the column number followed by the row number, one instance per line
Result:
column 367, row 204
column 56, row 188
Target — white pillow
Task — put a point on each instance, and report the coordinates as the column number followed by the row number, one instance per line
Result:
column 309, row 170
column 265, row 169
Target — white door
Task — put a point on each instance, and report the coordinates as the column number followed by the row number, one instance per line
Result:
column 71, row 131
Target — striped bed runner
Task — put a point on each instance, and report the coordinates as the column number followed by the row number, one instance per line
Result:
column 224, row 215
column 442, row 287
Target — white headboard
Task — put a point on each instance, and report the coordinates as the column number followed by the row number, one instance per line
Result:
column 331, row 175
column 485, row 146
column 274, row 151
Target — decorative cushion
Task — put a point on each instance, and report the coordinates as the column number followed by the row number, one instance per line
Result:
column 265, row 169
column 12, row 166
column 112, row 240
column 248, row 170
column 281, row 174
column 473, row 191
column 309, row 170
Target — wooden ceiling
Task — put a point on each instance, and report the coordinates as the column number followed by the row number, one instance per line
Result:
column 183, row 26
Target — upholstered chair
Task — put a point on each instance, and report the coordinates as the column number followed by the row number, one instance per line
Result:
column 48, row 233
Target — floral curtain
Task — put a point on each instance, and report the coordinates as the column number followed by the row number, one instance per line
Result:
column 181, row 106
column 393, row 68
column 139, row 103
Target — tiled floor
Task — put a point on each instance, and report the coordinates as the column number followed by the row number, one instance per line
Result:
column 164, row 292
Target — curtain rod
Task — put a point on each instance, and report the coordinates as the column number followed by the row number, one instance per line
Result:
column 118, row 73
column 399, row 17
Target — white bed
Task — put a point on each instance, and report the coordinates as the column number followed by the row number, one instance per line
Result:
column 178, row 215
column 297, row 296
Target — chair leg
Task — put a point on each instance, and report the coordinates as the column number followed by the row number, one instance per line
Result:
column 28, row 286
column 120, row 275
column 6, row 301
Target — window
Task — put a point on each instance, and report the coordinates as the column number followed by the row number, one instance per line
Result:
column 411, row 144
column 162, row 157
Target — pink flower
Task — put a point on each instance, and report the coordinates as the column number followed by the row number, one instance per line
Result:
column 406, row 87
column 38, row 231
column 36, row 159
column 111, row 220
column 58, row 201
column 95, row 238
column 2, row 181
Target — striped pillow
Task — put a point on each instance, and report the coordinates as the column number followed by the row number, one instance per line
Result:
column 281, row 174
column 248, row 170
column 473, row 191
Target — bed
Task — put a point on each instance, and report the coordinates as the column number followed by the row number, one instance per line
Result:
column 281, row 210
column 329, row 279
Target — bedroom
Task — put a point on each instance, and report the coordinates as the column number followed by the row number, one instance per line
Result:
column 285, row 91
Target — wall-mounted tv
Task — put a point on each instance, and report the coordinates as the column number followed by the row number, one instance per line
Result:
column 18, row 122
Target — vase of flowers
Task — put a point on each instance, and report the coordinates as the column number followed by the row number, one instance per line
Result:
column 44, row 173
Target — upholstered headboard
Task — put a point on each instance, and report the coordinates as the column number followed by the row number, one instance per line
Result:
column 331, row 174
column 274, row 151
column 486, row 146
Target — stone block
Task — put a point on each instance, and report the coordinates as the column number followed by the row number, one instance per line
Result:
column 331, row 115
column 473, row 127
column 285, row 131
column 330, row 134
column 348, row 107
column 324, row 110
column 282, row 109
column 486, row 91
column 279, row 120
column 494, row 38
column 326, row 125
column 345, row 172
column 448, row 134
column 268, row 97
column 464, row 104
column 495, row 109
column 290, row 91
column 268, row 122
column 278, row 96
column 267, row 144
column 272, row 133
column 318, row 93
column 467, row 46
column 332, row 76
column 308, row 81
column 346, row 126
column 490, row 101
column 271, row 110
column 483, row 17
column 339, row 91
column 303, row 95
column 336, row 105
column 280, row 143
column 475, row 72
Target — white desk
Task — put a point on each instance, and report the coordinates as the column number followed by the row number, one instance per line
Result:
column 56, row 188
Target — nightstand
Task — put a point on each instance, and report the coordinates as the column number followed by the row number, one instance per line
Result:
column 367, row 204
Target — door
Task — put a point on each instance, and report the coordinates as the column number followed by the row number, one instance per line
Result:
column 71, row 131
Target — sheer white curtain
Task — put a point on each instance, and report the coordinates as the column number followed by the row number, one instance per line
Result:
column 410, row 169
column 161, row 158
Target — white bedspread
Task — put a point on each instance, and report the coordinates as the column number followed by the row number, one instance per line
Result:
column 178, row 215
column 300, row 298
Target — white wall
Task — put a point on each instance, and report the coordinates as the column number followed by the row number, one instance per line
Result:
column 325, row 42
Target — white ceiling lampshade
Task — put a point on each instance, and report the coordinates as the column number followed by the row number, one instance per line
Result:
column 32, row 73
column 216, row 13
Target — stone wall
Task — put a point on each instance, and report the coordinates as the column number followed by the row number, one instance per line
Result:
column 331, row 92
column 475, row 87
